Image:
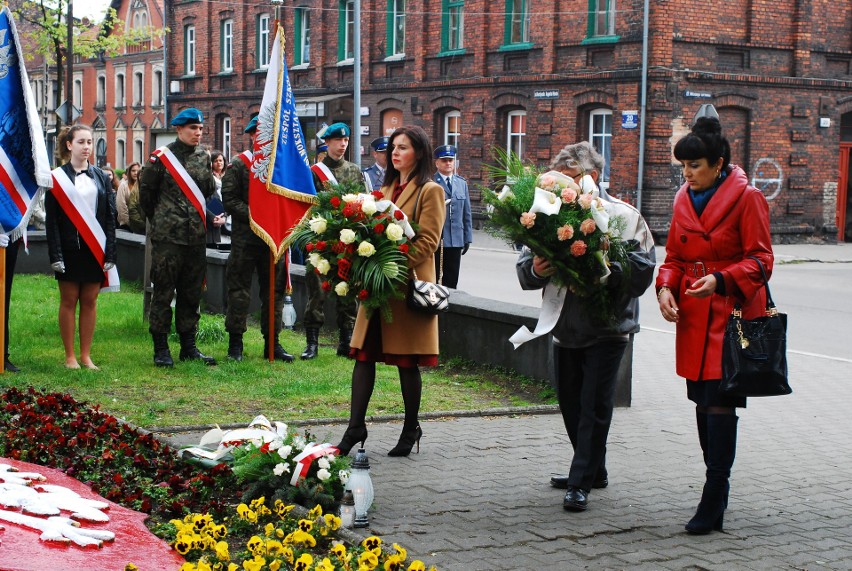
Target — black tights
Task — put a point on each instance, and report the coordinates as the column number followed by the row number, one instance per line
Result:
column 363, row 381
column 716, row 410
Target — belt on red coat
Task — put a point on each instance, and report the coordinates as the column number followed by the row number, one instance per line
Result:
column 702, row 268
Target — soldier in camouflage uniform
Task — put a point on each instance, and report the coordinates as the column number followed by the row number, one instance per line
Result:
column 336, row 138
column 248, row 254
column 178, row 252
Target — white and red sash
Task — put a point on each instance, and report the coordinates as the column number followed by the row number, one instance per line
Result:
column 185, row 181
column 323, row 173
column 86, row 223
column 247, row 157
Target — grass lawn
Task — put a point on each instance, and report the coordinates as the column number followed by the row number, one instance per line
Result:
column 130, row 387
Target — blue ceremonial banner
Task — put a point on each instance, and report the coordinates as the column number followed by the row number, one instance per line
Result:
column 281, row 188
column 24, row 166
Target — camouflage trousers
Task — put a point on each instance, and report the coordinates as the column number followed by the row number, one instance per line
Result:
column 314, row 313
column 243, row 261
column 176, row 271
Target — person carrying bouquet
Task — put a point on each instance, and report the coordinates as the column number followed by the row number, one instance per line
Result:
column 410, row 340
column 588, row 350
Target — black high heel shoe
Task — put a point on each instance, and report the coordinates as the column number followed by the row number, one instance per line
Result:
column 352, row 435
column 407, row 440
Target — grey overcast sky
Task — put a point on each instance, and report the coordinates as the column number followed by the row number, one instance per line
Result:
column 90, row 8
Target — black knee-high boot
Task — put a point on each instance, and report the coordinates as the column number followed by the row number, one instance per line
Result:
column 701, row 423
column 721, row 451
column 363, row 381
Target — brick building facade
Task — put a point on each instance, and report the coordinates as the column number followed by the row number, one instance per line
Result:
column 533, row 75
column 121, row 97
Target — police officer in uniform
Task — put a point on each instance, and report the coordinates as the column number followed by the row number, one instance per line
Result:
column 458, row 225
column 178, row 233
column 376, row 173
column 248, row 254
column 336, row 137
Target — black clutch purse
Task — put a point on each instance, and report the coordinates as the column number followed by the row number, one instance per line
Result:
column 754, row 352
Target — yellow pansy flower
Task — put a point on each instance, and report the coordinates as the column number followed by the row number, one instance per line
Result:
column 324, row 565
column 275, row 565
column 222, row 551
column 339, row 550
column 274, row 548
column 282, row 509
column 417, row 565
column 187, row 567
column 303, row 563
column 258, row 502
column 394, row 563
column 316, row 512
column 332, row 521
column 269, row 529
column 372, row 542
column 401, row 550
column 306, row 524
column 131, row 567
column 203, row 565
column 369, row 560
column 255, row 564
column 255, row 545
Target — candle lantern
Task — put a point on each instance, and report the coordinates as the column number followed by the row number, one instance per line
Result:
column 362, row 487
column 347, row 509
column 289, row 312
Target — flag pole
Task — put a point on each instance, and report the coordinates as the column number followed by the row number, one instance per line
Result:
column 270, row 338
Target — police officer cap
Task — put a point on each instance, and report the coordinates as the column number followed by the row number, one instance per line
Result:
column 252, row 125
column 188, row 117
column 445, row 151
column 335, row 131
column 322, row 148
column 380, row 144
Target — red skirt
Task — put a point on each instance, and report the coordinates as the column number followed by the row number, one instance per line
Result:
column 372, row 351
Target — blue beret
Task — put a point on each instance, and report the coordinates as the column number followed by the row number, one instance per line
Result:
column 187, row 117
column 322, row 148
column 445, row 151
column 380, row 144
column 252, row 125
column 335, row 131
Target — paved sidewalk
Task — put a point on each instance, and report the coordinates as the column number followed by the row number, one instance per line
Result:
column 477, row 496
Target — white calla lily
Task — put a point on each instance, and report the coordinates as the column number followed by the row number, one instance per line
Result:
column 545, row 202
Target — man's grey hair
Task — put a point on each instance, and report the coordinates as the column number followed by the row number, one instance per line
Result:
column 581, row 156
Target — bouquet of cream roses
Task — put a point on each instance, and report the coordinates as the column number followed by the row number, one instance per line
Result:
column 565, row 222
column 357, row 242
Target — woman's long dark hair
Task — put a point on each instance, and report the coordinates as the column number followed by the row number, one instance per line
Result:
column 424, row 167
column 705, row 141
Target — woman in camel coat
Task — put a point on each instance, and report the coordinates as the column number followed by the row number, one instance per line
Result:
column 411, row 339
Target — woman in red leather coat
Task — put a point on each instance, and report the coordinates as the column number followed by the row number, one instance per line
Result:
column 719, row 223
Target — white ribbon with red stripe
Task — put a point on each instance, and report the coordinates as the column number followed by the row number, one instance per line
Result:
column 86, row 222
column 307, row 456
column 247, row 157
column 324, row 173
column 185, row 181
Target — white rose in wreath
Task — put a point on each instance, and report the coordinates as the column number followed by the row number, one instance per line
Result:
column 366, row 249
column 347, row 236
column 318, row 224
column 394, row 232
column 323, row 266
column 341, row 289
column 323, row 475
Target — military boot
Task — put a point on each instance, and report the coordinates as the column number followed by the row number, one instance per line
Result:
column 312, row 335
column 235, row 346
column 162, row 355
column 189, row 352
column 277, row 350
column 343, row 345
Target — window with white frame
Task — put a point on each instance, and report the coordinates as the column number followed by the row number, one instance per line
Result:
column 101, row 91
column 346, row 30
column 138, row 150
column 189, row 50
column 602, row 14
column 226, row 138
column 157, row 88
column 138, row 88
column 78, row 93
column 516, row 132
column 600, row 136
column 396, row 27
column 452, row 128
column 303, row 36
column 517, row 22
column 120, row 154
column 119, row 90
column 262, row 41
column 227, row 45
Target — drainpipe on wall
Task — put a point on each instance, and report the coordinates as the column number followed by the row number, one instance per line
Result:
column 642, row 106
column 166, row 82
column 356, row 87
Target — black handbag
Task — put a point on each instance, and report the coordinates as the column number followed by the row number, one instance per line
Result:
column 428, row 297
column 754, row 352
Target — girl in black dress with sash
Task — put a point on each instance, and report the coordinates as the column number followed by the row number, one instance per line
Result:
column 80, row 210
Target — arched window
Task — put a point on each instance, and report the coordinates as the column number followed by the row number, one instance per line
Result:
column 138, row 89
column 119, row 90
column 101, row 95
column 138, row 150
column 452, row 127
column 189, row 50
column 225, row 125
column 227, row 45
column 120, row 154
